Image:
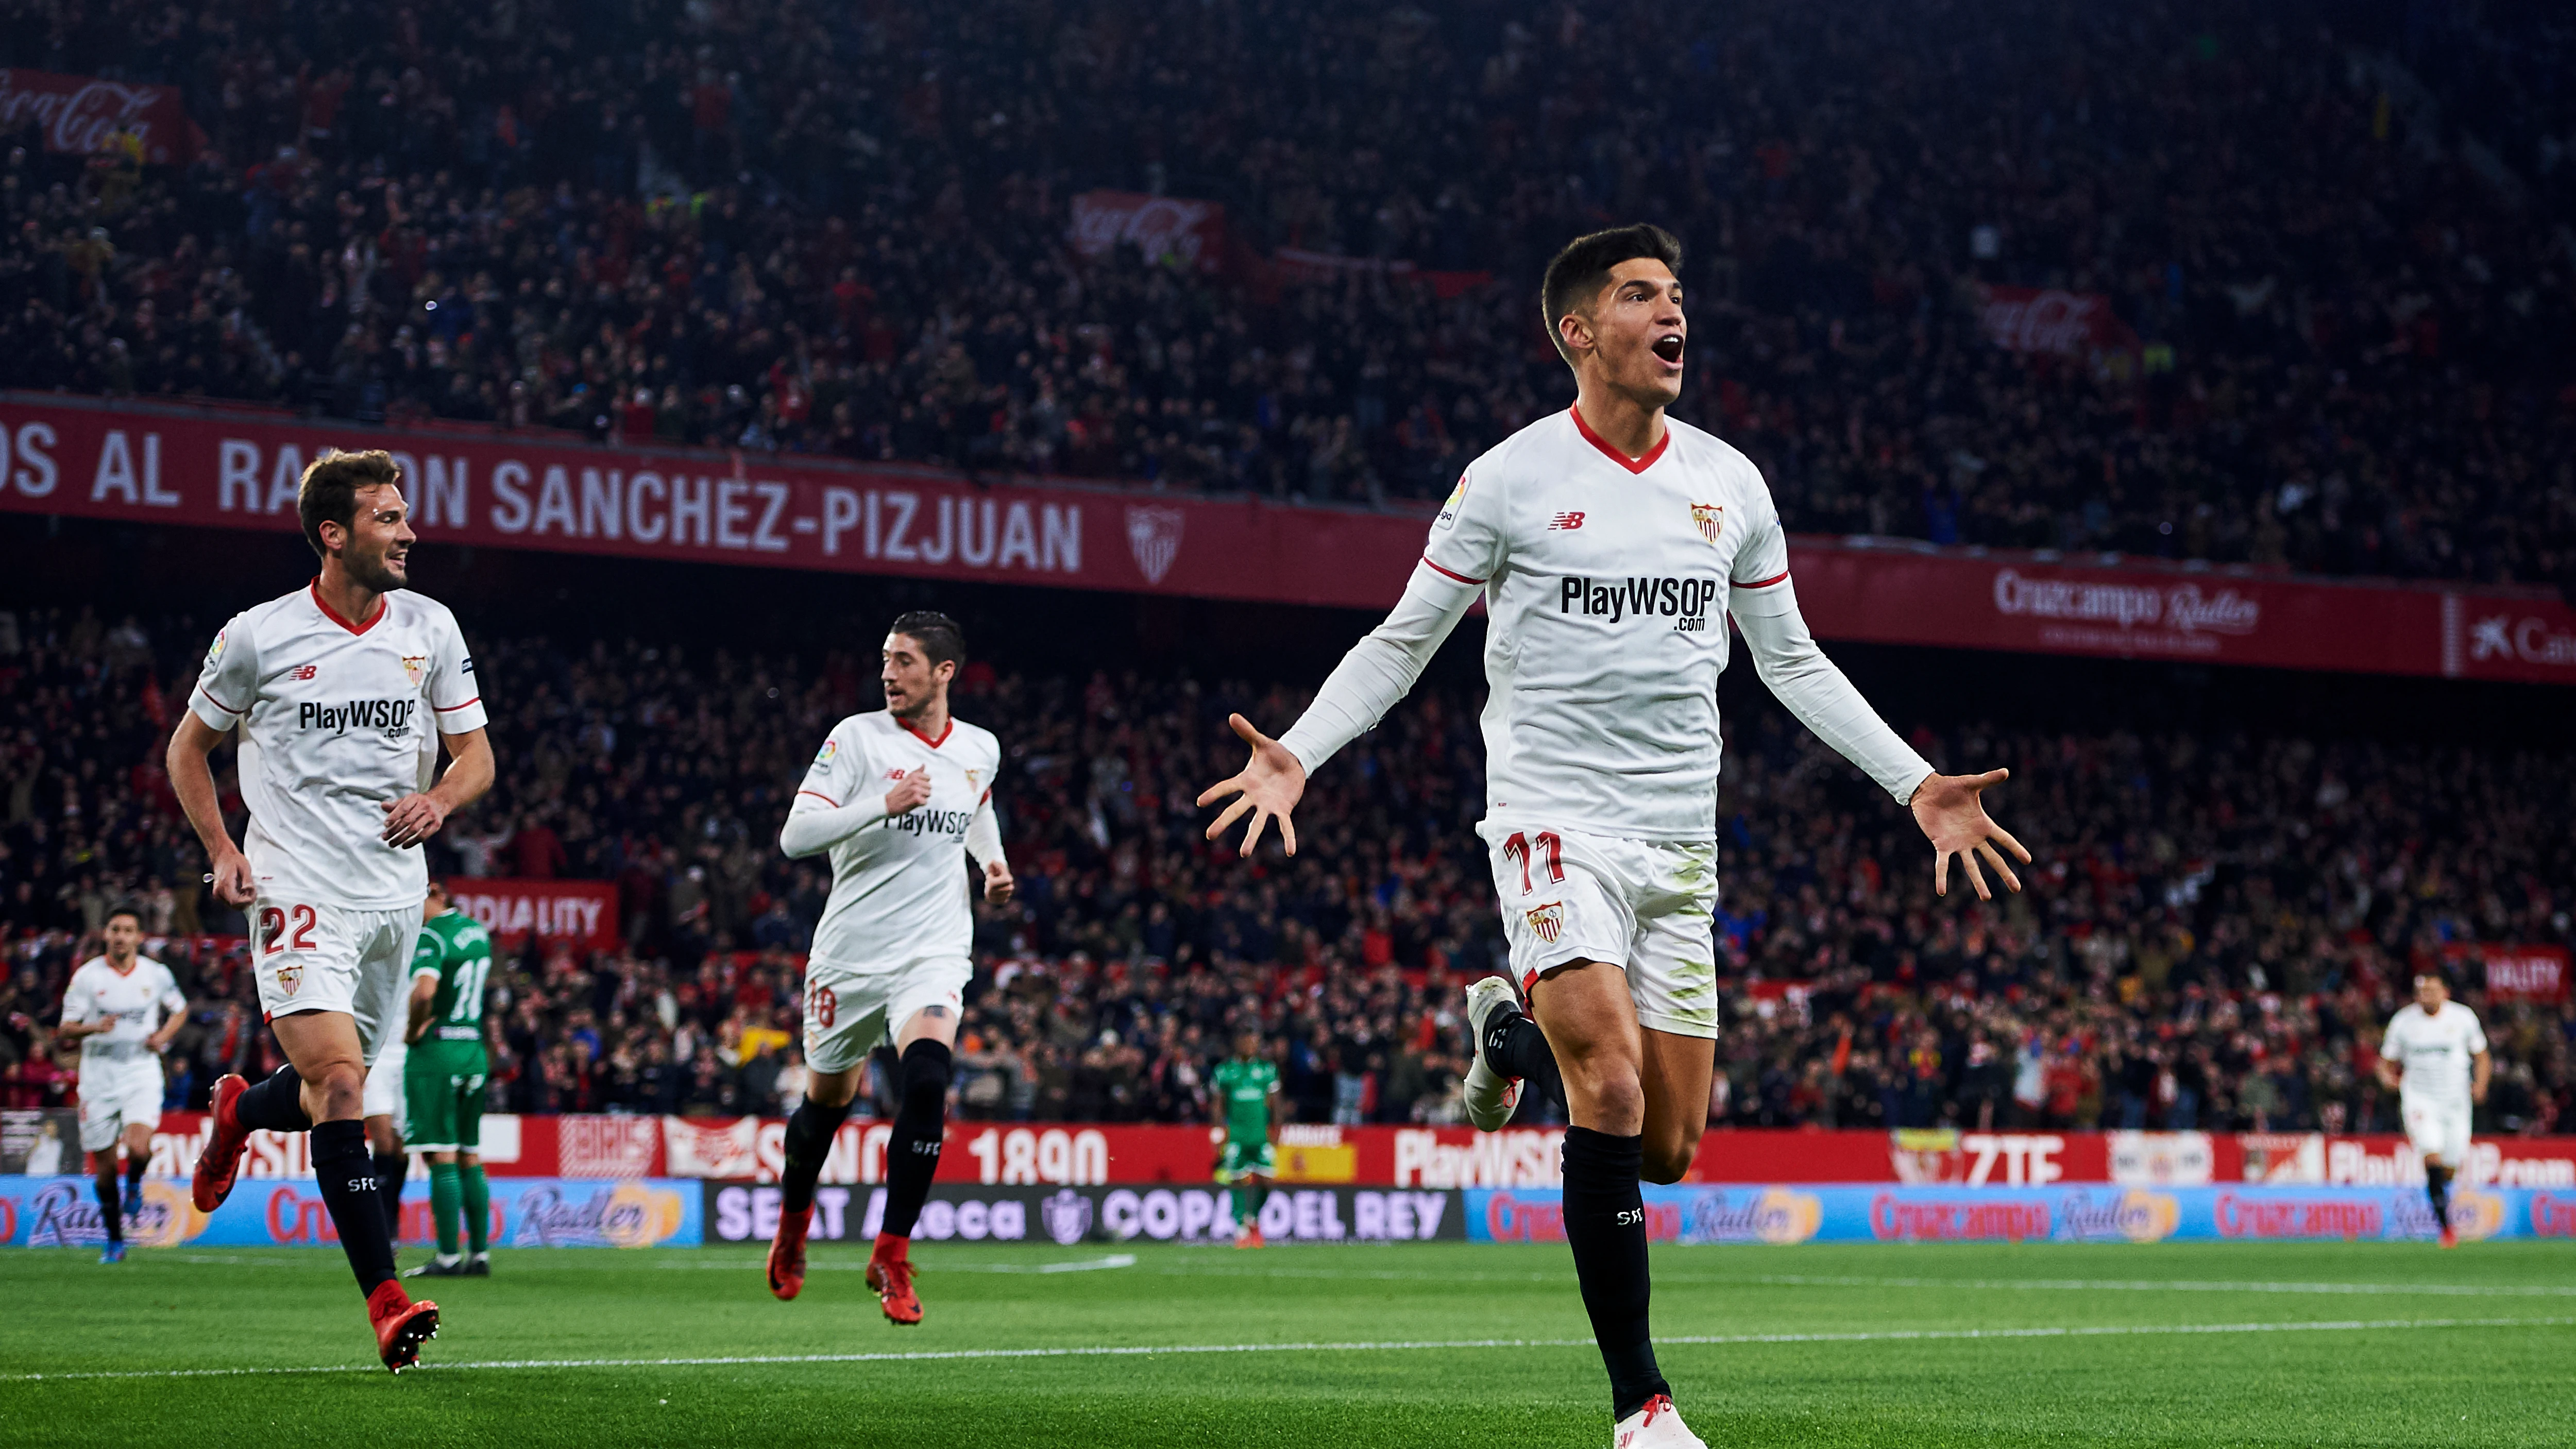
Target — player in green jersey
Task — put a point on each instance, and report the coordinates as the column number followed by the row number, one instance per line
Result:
column 443, row 1080
column 1246, row 1084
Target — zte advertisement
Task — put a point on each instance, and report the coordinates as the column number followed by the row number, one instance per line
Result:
column 527, row 1212
column 1784, row 1215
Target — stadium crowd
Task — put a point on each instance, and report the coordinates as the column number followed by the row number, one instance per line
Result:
column 2215, row 930
column 843, row 229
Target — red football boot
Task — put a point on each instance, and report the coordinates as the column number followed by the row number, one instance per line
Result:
column 221, row 1161
column 402, row 1326
column 2450, row 1236
column 787, row 1253
column 890, row 1273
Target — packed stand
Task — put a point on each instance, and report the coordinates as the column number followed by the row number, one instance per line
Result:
column 770, row 224
column 2215, row 931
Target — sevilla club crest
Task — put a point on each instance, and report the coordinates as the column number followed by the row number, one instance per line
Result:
column 290, row 974
column 414, row 665
column 1708, row 518
column 1154, row 537
column 1549, row 921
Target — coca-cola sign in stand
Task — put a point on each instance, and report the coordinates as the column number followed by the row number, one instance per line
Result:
column 81, row 114
column 1158, row 226
column 2046, row 320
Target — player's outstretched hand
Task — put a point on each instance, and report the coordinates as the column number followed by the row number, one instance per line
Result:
column 412, row 819
column 1269, row 788
column 1953, row 816
column 910, row 792
column 998, row 884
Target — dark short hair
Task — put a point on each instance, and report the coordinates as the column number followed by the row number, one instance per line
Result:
column 1577, row 274
column 438, row 887
column 329, row 492
column 938, row 635
column 123, row 908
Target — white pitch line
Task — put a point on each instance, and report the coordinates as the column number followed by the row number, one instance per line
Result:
column 1926, row 1335
column 1802, row 1280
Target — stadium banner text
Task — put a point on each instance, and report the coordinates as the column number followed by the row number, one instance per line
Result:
column 527, row 1212
column 581, row 912
column 742, row 1212
column 82, row 115
column 225, row 468
column 2252, row 1213
column 1099, row 1154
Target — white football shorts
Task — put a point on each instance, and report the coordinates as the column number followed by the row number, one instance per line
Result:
column 1645, row 905
column 2437, row 1129
column 384, row 1094
column 117, row 1093
column 850, row 1011
column 326, row 958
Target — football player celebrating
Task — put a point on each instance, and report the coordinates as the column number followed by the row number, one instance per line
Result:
column 1609, row 544
column 899, row 798
column 331, row 687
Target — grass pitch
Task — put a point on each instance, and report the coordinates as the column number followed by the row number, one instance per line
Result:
column 2364, row 1344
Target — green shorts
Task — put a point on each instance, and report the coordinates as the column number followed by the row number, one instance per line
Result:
column 1247, row 1159
column 443, row 1093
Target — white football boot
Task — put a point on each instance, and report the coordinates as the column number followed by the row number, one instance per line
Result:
column 1657, row 1426
column 1490, row 1096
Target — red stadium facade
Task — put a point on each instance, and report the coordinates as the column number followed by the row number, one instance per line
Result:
column 237, row 469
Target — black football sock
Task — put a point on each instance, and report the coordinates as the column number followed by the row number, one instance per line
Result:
column 2437, row 1186
column 348, row 1181
column 134, row 1181
column 912, row 1154
column 1605, row 1225
column 810, row 1130
column 276, row 1104
column 391, row 1169
column 110, row 1209
column 1515, row 1047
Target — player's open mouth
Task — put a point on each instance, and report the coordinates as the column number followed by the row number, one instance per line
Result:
column 1669, row 348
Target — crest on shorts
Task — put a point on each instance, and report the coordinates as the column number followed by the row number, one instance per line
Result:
column 1548, row 921
column 290, row 975
column 1708, row 518
column 415, row 665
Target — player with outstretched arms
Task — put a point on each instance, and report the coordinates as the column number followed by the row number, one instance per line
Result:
column 1246, row 1106
column 2435, row 1058
column 899, row 799
column 443, row 1081
column 1609, row 544
column 332, row 688
column 122, row 1007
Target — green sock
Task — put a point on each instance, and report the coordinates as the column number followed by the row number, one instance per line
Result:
column 443, row 1200
column 478, row 1209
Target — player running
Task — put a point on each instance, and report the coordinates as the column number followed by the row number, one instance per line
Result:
column 1247, row 1089
column 443, row 1081
column 1610, row 543
column 123, row 1008
column 332, row 687
column 894, row 797
column 2435, row 1058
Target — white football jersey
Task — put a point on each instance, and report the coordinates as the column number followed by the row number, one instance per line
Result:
column 2435, row 1051
column 1607, row 581
column 336, row 720
column 899, row 886
column 138, row 1001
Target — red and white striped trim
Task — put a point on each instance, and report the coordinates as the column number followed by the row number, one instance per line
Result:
column 1766, row 583
column 1449, row 573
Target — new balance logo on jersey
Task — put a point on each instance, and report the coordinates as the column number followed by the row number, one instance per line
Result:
column 1566, row 521
column 393, row 716
column 1684, row 600
column 303, row 672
